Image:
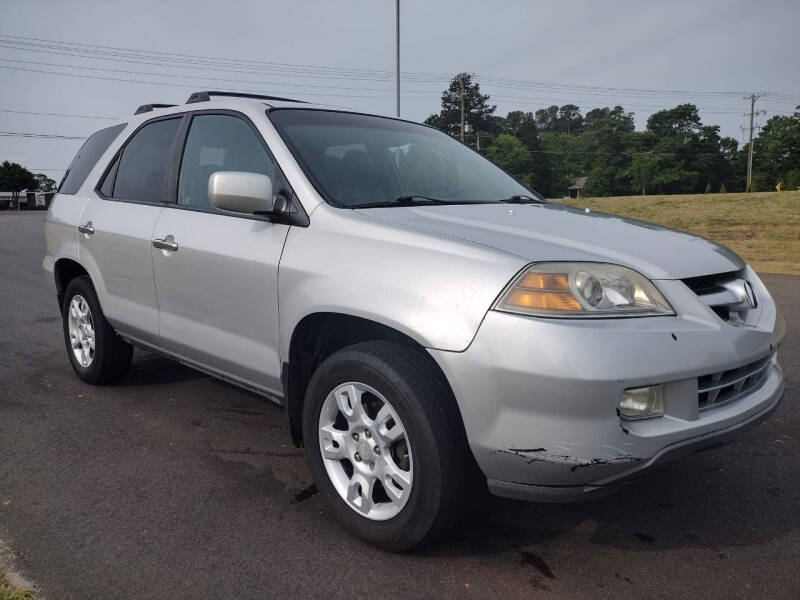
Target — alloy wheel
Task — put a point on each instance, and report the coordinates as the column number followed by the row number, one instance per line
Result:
column 81, row 330
column 366, row 451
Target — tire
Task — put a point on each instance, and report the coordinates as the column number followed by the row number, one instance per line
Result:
column 401, row 376
column 108, row 358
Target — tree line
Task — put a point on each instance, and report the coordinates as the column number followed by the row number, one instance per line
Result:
column 15, row 178
column 675, row 154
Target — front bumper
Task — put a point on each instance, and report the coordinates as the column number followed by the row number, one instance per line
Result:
column 538, row 397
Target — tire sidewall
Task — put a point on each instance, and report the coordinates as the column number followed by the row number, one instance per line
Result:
column 82, row 286
column 415, row 519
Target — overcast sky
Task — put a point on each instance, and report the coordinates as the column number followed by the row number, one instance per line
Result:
column 342, row 53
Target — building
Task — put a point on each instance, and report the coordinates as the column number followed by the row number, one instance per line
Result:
column 27, row 200
column 574, row 190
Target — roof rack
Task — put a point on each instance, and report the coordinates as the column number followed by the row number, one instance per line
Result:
column 206, row 96
column 148, row 107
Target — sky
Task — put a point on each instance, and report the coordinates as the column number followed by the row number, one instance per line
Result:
column 103, row 58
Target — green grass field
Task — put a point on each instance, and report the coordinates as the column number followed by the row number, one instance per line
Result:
column 764, row 228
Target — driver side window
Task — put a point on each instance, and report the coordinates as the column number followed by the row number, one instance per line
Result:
column 218, row 143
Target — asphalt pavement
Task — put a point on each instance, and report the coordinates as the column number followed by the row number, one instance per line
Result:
column 172, row 484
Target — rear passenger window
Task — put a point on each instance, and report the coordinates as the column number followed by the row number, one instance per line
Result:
column 87, row 157
column 218, row 143
column 144, row 161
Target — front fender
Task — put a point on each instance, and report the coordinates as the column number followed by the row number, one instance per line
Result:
column 430, row 287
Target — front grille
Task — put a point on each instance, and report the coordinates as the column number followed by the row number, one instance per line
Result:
column 728, row 294
column 723, row 387
column 706, row 284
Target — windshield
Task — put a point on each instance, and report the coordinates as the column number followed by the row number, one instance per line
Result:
column 359, row 160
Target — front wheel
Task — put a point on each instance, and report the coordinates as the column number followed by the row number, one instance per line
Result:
column 380, row 444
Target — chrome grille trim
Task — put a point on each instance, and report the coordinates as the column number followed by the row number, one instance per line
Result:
column 723, row 387
column 730, row 295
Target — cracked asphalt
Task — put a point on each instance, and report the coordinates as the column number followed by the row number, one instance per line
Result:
column 174, row 485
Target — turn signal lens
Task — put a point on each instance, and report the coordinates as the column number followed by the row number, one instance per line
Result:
column 543, row 300
column 545, row 281
column 583, row 290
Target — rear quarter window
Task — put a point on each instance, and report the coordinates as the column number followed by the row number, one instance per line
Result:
column 87, row 157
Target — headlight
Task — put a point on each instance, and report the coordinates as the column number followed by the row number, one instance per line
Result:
column 582, row 290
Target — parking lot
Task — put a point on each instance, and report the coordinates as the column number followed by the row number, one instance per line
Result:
column 174, row 485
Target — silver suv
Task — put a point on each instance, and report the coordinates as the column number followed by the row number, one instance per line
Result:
column 427, row 322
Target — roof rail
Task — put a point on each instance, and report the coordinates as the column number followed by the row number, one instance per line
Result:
column 206, row 96
column 148, row 107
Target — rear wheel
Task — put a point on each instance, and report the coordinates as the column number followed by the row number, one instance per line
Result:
column 380, row 445
column 97, row 353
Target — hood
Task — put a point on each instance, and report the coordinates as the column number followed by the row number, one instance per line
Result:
column 554, row 232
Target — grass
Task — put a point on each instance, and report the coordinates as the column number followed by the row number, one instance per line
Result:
column 764, row 228
column 7, row 592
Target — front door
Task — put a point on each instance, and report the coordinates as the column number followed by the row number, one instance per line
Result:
column 217, row 273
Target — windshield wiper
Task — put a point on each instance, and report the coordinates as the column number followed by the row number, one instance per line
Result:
column 409, row 200
column 403, row 201
column 521, row 199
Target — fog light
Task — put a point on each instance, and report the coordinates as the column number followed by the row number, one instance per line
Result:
column 642, row 403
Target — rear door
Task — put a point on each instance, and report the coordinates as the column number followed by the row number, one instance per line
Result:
column 116, row 227
column 218, row 289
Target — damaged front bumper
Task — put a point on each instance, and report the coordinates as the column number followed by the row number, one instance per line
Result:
column 539, row 397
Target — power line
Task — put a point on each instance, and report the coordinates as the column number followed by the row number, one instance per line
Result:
column 200, row 62
column 172, row 75
column 46, row 114
column 179, row 85
column 49, row 136
column 103, row 52
column 517, row 99
column 197, row 62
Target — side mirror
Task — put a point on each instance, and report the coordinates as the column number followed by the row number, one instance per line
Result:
column 240, row 192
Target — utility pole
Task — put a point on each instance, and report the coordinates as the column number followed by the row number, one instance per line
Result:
column 397, row 57
column 753, row 113
column 461, row 81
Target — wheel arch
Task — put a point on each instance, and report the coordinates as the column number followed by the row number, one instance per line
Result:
column 317, row 336
column 64, row 271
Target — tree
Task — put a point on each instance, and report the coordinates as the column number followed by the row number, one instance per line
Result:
column 692, row 156
column 570, row 120
column 523, row 126
column 14, row 178
column 606, row 141
column 776, row 151
column 683, row 120
column 547, row 119
column 44, row 183
column 509, row 153
column 477, row 110
column 792, row 180
column 643, row 171
column 567, row 159
column 565, row 120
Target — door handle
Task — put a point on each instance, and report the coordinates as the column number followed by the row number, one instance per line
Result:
column 166, row 244
column 88, row 229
